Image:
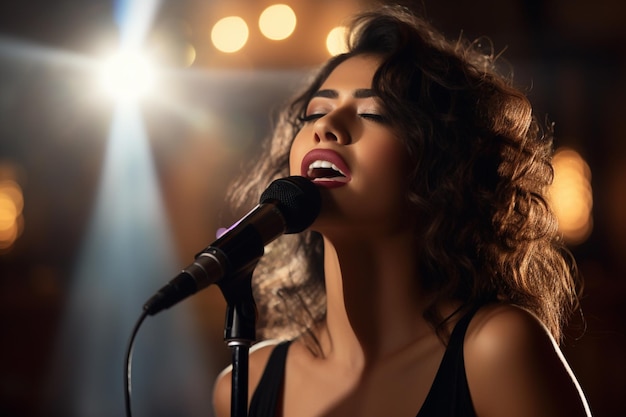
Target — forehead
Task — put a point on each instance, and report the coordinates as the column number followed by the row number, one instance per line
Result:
column 355, row 72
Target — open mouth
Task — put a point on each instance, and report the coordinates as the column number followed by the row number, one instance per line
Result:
column 321, row 170
column 326, row 168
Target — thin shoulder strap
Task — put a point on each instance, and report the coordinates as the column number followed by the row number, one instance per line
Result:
column 268, row 392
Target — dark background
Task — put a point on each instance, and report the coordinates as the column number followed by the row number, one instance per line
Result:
column 63, row 336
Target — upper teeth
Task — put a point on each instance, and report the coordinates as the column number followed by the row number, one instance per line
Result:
column 325, row 164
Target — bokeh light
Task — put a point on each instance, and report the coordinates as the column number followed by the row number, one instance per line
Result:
column 190, row 55
column 171, row 44
column 336, row 40
column 571, row 195
column 230, row 34
column 277, row 22
column 11, row 220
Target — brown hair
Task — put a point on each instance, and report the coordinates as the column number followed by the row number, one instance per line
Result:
column 481, row 166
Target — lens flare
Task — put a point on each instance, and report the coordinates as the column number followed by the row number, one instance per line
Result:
column 127, row 76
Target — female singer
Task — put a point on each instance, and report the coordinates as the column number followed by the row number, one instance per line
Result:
column 433, row 282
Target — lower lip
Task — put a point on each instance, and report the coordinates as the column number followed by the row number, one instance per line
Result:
column 329, row 183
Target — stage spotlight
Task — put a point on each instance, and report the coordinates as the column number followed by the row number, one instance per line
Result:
column 127, row 76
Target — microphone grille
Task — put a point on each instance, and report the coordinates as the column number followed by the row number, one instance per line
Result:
column 297, row 198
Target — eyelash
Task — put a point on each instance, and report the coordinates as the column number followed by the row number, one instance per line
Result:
column 379, row 118
column 370, row 116
column 310, row 117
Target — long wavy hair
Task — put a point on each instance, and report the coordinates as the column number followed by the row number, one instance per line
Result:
column 481, row 167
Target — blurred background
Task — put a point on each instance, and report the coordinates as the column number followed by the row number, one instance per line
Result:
column 122, row 122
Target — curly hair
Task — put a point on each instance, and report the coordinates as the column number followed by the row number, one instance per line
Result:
column 481, row 167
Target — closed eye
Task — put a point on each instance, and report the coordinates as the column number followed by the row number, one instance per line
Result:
column 379, row 118
column 310, row 117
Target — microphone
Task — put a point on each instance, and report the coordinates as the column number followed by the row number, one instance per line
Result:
column 288, row 205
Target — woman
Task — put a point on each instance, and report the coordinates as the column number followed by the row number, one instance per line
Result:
column 432, row 283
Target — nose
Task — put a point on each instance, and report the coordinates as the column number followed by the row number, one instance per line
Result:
column 332, row 127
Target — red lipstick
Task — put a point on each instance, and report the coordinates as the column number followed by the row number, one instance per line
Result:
column 325, row 168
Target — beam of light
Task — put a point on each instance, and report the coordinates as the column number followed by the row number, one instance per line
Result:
column 127, row 255
column 20, row 50
column 134, row 18
column 127, row 74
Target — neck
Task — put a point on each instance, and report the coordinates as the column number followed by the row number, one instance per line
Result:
column 374, row 304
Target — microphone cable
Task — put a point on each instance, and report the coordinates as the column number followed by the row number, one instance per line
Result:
column 128, row 364
column 288, row 205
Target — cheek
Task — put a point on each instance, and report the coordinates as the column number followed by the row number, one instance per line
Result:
column 389, row 161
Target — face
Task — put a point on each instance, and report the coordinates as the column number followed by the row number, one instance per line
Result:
column 348, row 148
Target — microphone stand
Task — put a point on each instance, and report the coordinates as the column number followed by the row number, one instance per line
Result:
column 239, row 334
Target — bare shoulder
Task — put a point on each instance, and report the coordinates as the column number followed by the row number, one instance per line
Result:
column 514, row 367
column 497, row 328
column 258, row 357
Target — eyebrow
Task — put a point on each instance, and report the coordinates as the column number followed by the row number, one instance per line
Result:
column 358, row 93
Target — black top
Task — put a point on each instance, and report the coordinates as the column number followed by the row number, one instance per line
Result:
column 449, row 395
